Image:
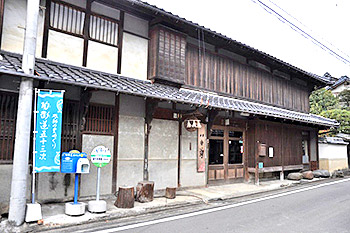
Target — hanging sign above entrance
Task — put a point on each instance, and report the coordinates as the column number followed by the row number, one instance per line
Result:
column 48, row 126
column 192, row 124
column 100, row 156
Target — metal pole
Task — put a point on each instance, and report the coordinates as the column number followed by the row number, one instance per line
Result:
column 98, row 184
column 76, row 185
column 34, row 152
column 23, row 121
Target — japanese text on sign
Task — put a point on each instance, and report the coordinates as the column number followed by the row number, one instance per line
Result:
column 48, row 131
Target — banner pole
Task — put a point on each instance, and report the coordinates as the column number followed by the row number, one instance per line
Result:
column 34, row 149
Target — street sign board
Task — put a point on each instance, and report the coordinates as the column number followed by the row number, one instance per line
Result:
column 100, row 156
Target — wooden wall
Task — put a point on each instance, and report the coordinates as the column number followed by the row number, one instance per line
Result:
column 167, row 55
column 221, row 74
column 285, row 139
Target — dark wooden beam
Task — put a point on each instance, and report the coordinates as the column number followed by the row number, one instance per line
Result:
column 86, row 31
column 2, row 3
column 116, row 141
column 120, row 41
column 46, row 29
column 151, row 105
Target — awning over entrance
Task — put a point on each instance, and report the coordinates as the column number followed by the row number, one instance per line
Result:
column 10, row 63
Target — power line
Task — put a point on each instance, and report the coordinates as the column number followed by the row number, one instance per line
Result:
column 308, row 28
column 301, row 31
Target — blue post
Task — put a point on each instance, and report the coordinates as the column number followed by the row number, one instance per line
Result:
column 76, row 184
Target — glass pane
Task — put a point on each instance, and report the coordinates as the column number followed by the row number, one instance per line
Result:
column 216, row 151
column 235, row 134
column 217, row 133
column 235, row 152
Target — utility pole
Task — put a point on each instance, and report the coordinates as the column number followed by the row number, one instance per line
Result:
column 23, row 122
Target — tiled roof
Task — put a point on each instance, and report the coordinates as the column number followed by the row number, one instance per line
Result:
column 176, row 18
column 339, row 82
column 57, row 72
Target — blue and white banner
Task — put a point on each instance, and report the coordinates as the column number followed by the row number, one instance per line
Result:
column 48, row 131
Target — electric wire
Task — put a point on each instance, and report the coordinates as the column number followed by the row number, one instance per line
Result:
column 301, row 31
column 308, row 28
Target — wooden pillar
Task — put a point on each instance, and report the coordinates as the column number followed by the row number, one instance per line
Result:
column 246, row 153
column 86, row 31
column 116, row 138
column 46, row 29
column 317, row 151
column 179, row 154
column 257, row 163
column 151, row 105
column 120, row 41
column 2, row 4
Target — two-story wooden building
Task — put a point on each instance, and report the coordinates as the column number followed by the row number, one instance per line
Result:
column 140, row 81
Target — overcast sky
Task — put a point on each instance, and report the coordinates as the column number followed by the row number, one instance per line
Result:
column 246, row 21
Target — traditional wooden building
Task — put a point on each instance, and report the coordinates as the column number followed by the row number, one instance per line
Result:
column 175, row 102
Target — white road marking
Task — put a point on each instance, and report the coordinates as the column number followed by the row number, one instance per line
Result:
column 201, row 212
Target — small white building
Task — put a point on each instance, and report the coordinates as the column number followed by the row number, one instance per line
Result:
column 333, row 153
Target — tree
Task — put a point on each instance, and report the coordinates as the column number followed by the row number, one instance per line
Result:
column 342, row 116
column 322, row 100
column 344, row 99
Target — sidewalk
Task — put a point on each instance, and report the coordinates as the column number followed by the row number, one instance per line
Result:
column 54, row 217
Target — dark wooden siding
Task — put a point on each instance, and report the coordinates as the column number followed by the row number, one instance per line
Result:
column 8, row 114
column 167, row 55
column 70, row 126
column 285, row 139
column 221, row 74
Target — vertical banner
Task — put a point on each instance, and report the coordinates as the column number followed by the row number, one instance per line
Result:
column 48, row 131
column 201, row 149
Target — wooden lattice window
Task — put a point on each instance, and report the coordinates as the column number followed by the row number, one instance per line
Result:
column 99, row 119
column 70, row 126
column 67, row 18
column 103, row 30
column 8, row 113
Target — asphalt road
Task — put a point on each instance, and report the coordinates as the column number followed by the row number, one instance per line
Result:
column 323, row 209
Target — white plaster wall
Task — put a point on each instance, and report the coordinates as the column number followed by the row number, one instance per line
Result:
column 188, row 161
column 105, row 10
column 332, row 151
column 14, row 26
column 163, row 153
column 130, row 140
column 102, row 57
column 65, row 48
column 130, row 150
column 88, row 181
column 339, row 89
column 134, row 57
column 132, row 106
column 136, row 25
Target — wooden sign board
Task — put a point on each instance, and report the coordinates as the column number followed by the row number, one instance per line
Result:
column 201, row 149
column 262, row 149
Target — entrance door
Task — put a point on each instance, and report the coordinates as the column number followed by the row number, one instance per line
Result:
column 226, row 153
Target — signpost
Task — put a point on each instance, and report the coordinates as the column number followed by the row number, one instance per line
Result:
column 100, row 157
